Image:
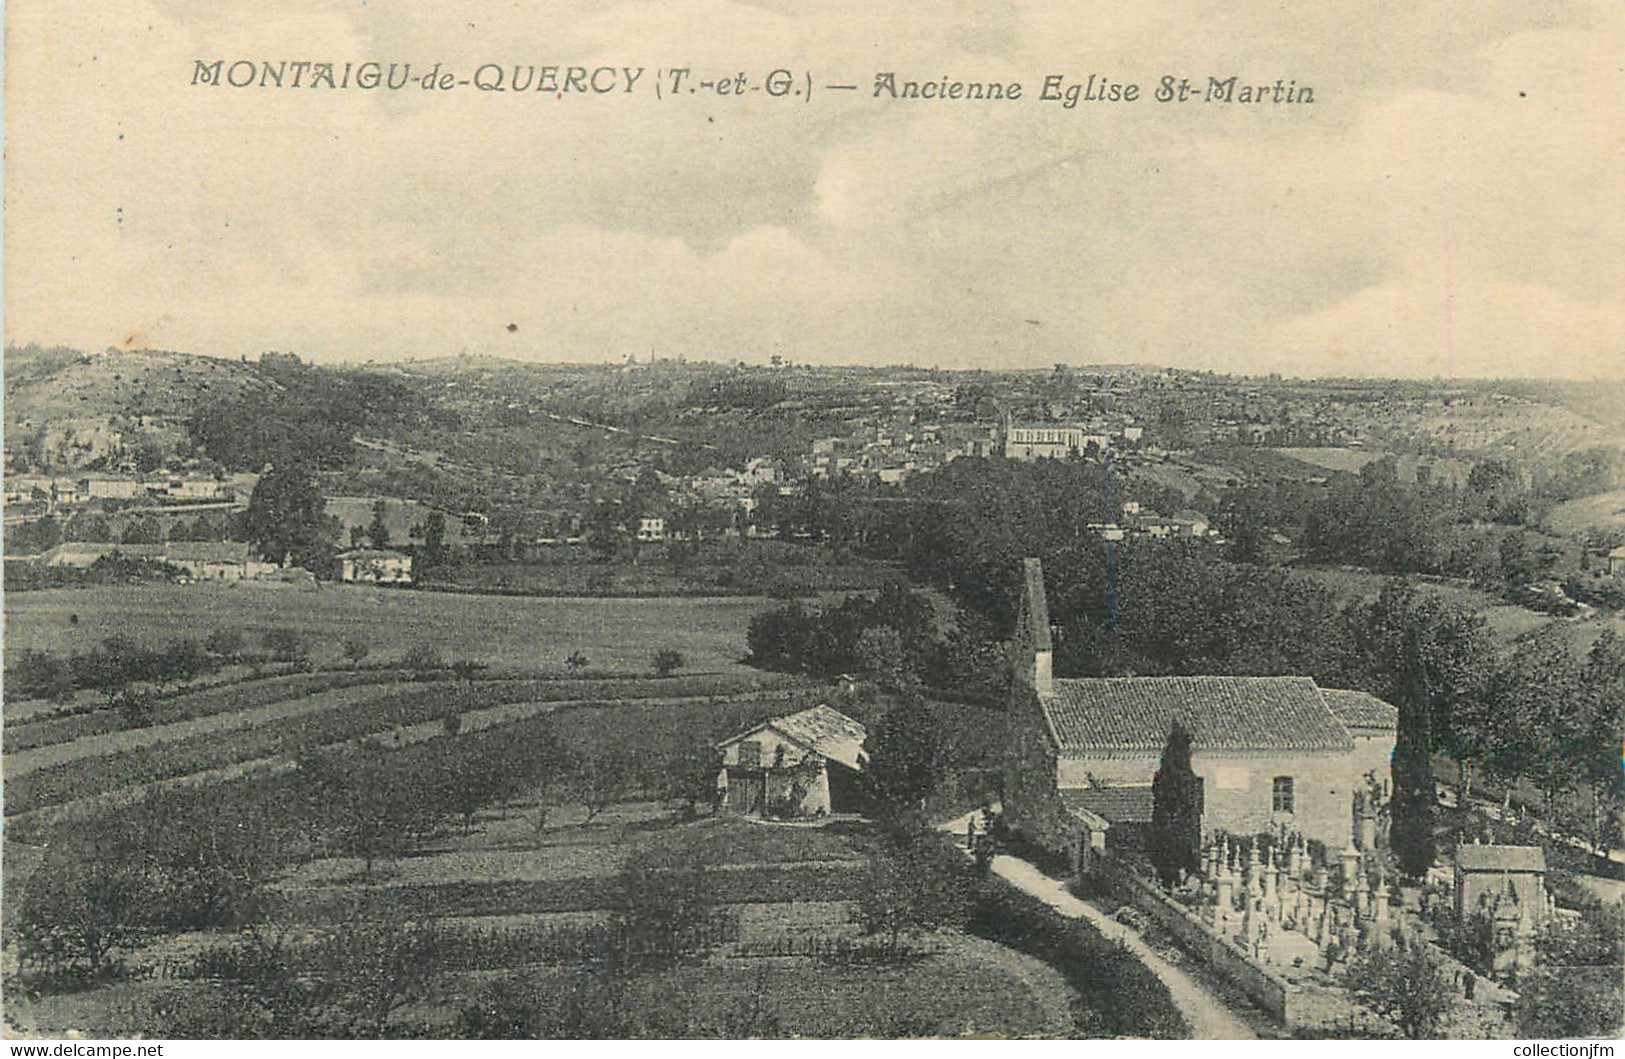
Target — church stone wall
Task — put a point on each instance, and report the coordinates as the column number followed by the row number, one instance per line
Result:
column 1031, row 803
column 1238, row 789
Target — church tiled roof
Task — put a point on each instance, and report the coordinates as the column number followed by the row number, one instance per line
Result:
column 1358, row 709
column 1222, row 713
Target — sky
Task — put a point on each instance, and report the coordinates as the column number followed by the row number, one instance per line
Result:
column 1450, row 205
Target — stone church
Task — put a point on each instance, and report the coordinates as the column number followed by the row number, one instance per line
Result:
column 1273, row 753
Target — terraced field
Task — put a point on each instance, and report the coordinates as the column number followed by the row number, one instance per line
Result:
column 616, row 635
column 86, row 769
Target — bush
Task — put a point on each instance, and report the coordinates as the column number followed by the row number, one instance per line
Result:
column 422, row 659
column 667, row 661
column 40, row 675
column 225, row 643
column 137, row 707
column 285, row 645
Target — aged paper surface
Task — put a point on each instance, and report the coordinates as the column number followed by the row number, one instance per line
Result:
column 403, row 401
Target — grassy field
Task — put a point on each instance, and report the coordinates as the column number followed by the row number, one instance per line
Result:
column 1333, row 459
column 616, row 635
column 1604, row 511
column 1507, row 621
column 721, row 568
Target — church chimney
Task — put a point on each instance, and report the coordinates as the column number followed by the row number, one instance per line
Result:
column 1034, row 652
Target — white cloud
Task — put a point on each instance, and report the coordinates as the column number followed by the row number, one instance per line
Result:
column 376, row 225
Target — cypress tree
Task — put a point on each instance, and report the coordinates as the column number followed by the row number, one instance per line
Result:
column 1176, row 810
column 1414, row 798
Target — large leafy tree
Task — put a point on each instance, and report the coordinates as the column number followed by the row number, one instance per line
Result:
column 1176, row 810
column 287, row 518
column 905, row 756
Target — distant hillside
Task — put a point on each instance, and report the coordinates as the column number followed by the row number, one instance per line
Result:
column 67, row 410
column 55, row 383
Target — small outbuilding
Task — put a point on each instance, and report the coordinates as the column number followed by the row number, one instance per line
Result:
column 803, row 764
column 379, row 566
column 1490, row 875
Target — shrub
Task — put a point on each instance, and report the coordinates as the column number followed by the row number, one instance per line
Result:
column 40, row 675
column 355, row 651
column 422, row 659
column 466, row 668
column 285, row 645
column 667, row 661
column 137, row 707
column 225, row 643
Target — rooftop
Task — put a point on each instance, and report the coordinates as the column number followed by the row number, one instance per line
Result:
column 1118, row 805
column 1500, row 858
column 1359, row 709
column 1222, row 713
column 822, row 728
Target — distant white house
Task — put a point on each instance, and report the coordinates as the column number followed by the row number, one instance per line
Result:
column 1616, row 561
column 651, row 528
column 804, row 764
column 379, row 566
column 200, row 560
column 196, row 488
column 209, row 561
column 28, row 487
column 115, row 488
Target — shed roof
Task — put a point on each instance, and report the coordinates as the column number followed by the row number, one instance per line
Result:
column 206, row 552
column 1360, row 709
column 1222, row 713
column 1500, row 858
column 1118, row 805
column 828, row 731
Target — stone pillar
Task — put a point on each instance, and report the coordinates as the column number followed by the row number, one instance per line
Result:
column 1350, row 858
column 1379, row 908
column 1368, row 831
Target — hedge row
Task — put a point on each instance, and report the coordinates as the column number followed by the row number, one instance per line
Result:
column 1118, row 996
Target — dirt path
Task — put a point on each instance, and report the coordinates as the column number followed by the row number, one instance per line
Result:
column 1205, row 1015
column 1207, row 1018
